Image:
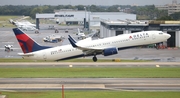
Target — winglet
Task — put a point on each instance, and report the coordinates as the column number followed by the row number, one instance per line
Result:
column 72, row 39
column 72, row 43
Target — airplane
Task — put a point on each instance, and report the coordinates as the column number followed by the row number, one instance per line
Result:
column 8, row 48
column 106, row 46
column 53, row 38
column 81, row 34
column 27, row 28
column 24, row 25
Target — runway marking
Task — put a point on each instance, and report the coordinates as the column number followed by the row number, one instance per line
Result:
column 30, row 86
column 7, row 42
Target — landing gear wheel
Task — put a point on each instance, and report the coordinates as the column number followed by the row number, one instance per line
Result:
column 94, row 58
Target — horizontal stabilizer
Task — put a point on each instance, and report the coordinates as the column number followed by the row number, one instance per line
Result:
column 25, row 54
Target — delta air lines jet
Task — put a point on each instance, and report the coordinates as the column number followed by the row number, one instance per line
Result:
column 107, row 46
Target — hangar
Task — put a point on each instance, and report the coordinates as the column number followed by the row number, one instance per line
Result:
column 114, row 28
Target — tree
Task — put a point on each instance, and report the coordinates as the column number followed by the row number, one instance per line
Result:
column 113, row 8
column 150, row 11
column 36, row 10
column 80, row 7
column 176, row 16
column 165, row 18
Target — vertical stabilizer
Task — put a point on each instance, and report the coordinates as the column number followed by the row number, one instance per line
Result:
column 26, row 43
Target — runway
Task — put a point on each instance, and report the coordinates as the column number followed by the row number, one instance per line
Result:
column 90, row 64
column 162, row 84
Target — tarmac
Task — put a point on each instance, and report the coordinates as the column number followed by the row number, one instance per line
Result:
column 90, row 64
column 162, row 84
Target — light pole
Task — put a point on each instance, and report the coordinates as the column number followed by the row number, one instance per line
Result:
column 85, row 18
column 89, row 18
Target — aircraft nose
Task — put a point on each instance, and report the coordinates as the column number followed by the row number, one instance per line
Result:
column 168, row 36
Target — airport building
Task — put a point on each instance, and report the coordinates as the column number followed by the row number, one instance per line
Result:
column 75, row 17
column 171, row 8
column 113, row 23
column 114, row 28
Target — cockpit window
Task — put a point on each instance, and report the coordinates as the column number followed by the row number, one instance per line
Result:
column 160, row 33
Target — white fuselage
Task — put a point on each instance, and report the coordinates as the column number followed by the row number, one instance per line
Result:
column 121, row 41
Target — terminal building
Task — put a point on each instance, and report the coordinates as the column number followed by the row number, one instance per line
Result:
column 171, row 8
column 91, row 19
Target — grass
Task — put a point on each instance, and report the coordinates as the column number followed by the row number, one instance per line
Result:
column 92, row 94
column 4, row 20
column 90, row 72
column 2, row 60
column 71, row 60
column 6, row 17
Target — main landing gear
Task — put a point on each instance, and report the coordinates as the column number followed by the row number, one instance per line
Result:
column 94, row 58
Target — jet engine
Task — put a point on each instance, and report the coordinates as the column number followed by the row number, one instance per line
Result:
column 110, row 51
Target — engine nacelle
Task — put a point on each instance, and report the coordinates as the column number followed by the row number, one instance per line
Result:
column 110, row 51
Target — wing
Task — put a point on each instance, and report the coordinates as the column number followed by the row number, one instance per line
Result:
column 87, row 50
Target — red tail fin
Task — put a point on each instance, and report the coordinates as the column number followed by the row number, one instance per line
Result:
column 26, row 43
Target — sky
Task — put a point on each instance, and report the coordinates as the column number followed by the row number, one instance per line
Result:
column 85, row 2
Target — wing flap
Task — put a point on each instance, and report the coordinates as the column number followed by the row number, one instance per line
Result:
column 87, row 50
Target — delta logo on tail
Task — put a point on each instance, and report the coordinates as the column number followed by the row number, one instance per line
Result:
column 26, row 43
